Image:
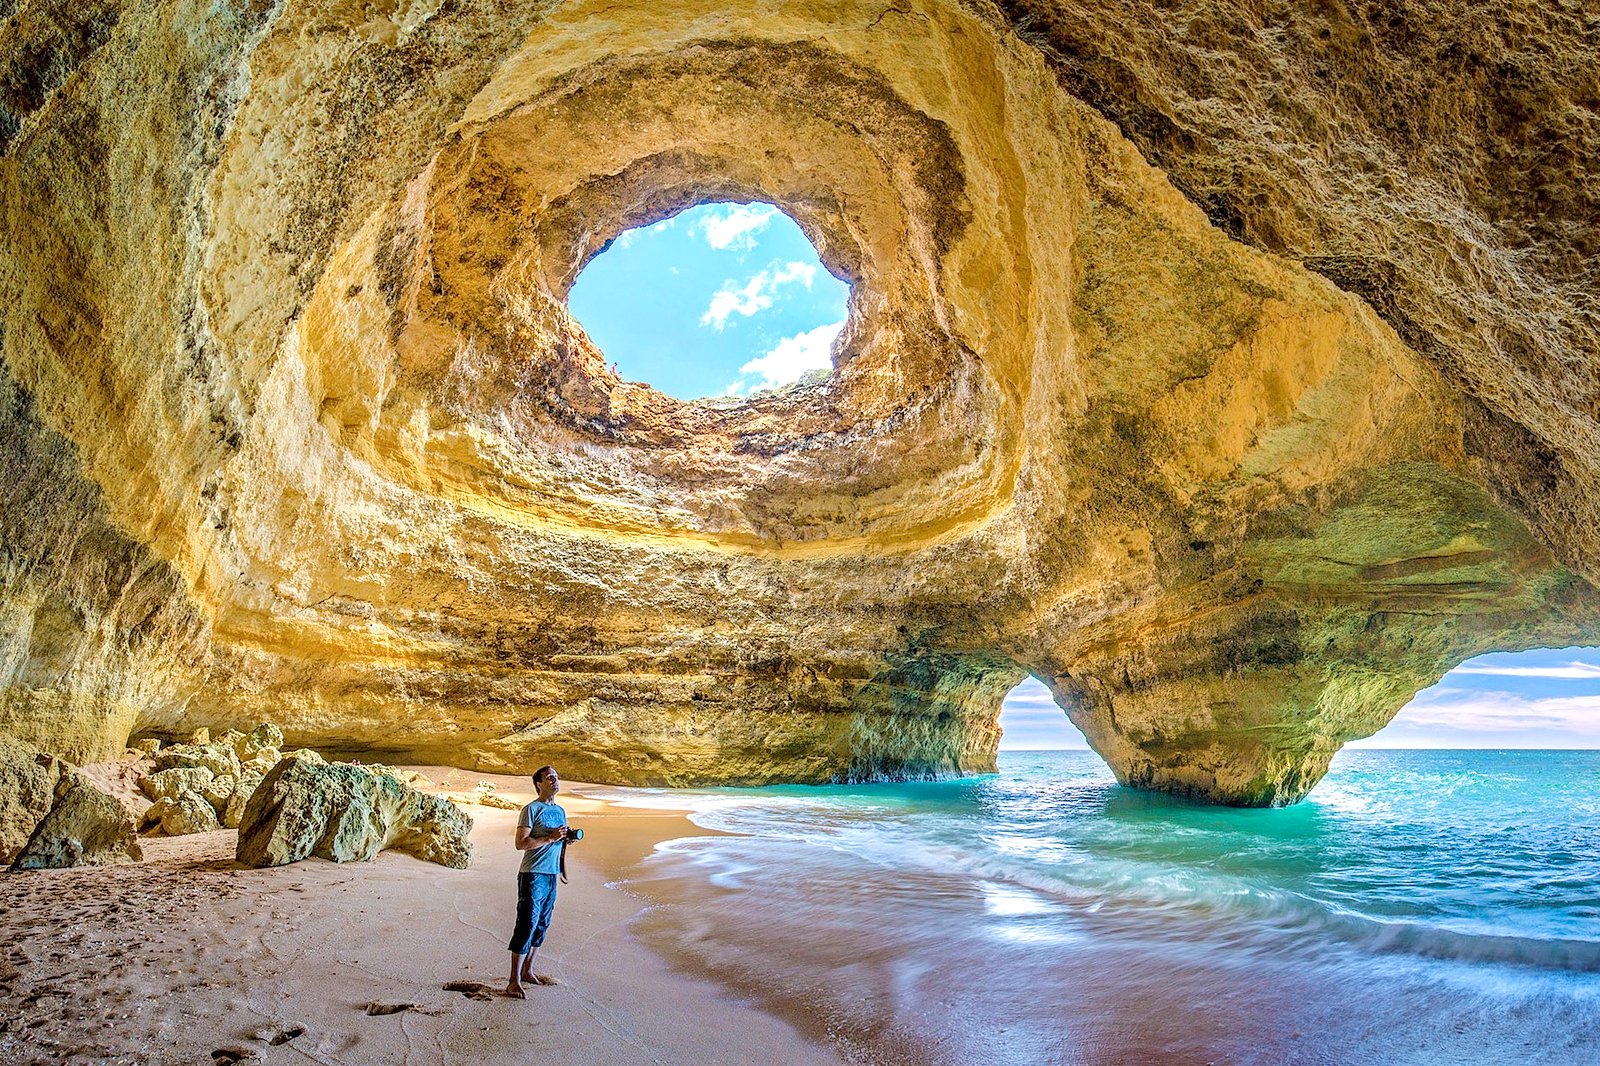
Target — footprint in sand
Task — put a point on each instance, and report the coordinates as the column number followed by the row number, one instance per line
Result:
column 285, row 1033
column 471, row 989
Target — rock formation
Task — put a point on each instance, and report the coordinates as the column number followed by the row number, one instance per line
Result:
column 51, row 815
column 1236, row 456
column 27, row 792
column 84, row 827
column 205, row 784
column 484, row 795
column 182, row 813
column 347, row 813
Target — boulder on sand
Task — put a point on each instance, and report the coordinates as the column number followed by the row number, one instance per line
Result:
column 27, row 792
column 182, row 814
column 233, row 811
column 85, row 827
column 218, row 758
column 165, row 784
column 220, row 790
column 345, row 812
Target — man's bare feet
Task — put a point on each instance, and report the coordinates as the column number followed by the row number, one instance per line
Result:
column 514, row 991
column 531, row 978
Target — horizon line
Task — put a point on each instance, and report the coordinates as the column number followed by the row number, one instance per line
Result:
column 1428, row 747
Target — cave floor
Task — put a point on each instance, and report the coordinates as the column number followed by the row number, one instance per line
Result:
column 188, row 958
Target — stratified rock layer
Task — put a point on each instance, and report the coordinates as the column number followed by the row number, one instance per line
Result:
column 1125, row 433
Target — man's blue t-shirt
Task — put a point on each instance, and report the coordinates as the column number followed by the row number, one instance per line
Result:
column 546, row 858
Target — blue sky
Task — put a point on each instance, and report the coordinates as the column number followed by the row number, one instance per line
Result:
column 1532, row 699
column 727, row 299
column 720, row 300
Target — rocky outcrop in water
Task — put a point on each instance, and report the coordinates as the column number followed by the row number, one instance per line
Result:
column 1236, row 455
column 347, row 813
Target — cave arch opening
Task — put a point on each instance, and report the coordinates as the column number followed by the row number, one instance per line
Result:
column 724, row 299
column 1032, row 720
column 1538, row 698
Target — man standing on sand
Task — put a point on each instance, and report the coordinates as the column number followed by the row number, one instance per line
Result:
column 540, row 832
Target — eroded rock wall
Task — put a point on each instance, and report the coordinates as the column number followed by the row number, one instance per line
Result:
column 97, row 633
column 283, row 293
column 1435, row 158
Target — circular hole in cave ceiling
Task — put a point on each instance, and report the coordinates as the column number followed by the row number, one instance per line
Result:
column 724, row 299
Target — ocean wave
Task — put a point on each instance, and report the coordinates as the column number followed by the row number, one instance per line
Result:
column 1442, row 942
column 1477, row 883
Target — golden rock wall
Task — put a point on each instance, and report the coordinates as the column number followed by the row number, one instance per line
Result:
column 282, row 292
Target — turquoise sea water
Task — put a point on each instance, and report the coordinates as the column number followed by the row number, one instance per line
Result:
column 1419, row 907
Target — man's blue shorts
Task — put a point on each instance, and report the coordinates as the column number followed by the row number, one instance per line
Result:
column 536, row 902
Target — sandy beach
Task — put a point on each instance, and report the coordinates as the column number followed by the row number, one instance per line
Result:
column 187, row 958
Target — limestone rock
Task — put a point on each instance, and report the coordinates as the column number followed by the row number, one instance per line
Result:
column 484, row 795
column 145, row 745
column 27, row 792
column 220, row 790
column 233, row 812
column 165, row 784
column 261, row 761
column 182, row 814
column 85, row 827
column 344, row 813
column 220, row 759
column 199, row 737
column 263, row 739
column 1235, row 383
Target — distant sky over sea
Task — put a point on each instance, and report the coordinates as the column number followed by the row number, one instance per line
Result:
column 728, row 299
column 1533, row 699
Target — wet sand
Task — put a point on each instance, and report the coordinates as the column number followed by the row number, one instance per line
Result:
column 187, row 958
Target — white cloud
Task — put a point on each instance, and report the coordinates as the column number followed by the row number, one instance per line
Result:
column 735, row 227
column 755, row 295
column 1455, row 717
column 1504, row 711
column 789, row 360
column 1573, row 671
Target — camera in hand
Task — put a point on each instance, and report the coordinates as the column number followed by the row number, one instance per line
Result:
column 574, row 834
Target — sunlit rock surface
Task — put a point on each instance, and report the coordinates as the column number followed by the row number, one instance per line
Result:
column 296, row 424
column 27, row 792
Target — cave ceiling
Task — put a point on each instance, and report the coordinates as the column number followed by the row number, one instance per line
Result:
column 1232, row 368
